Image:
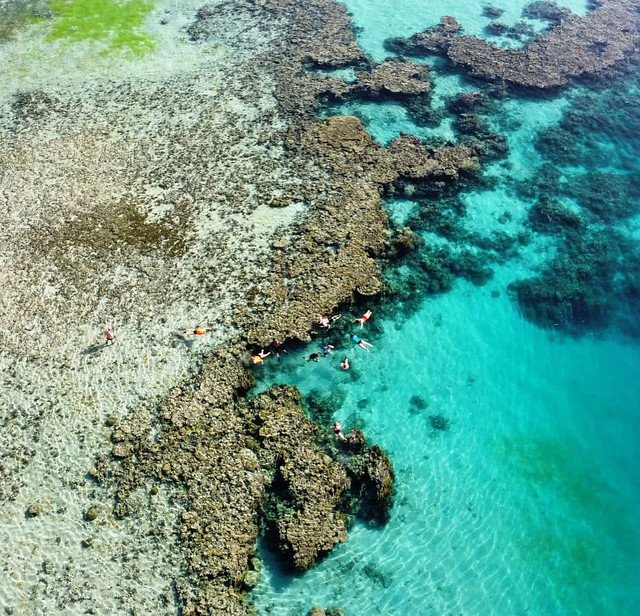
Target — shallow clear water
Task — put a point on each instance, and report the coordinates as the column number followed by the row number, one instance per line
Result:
column 381, row 19
column 528, row 500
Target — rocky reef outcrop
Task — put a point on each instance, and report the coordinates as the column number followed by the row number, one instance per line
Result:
column 236, row 464
column 311, row 493
column 331, row 258
column 574, row 47
column 232, row 459
column 396, row 77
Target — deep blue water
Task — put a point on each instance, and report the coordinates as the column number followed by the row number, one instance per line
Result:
column 528, row 501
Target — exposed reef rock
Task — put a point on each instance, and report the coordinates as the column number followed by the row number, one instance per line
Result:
column 574, row 47
column 226, row 455
column 321, row 34
column 394, row 78
column 306, row 486
column 230, row 461
column 203, row 447
column 332, row 258
column 434, row 40
column 412, row 161
column 549, row 11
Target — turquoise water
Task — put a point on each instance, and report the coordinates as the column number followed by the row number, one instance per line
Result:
column 381, row 19
column 528, row 501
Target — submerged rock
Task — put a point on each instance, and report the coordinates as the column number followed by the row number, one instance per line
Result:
column 574, row 47
column 91, row 514
column 241, row 459
column 34, row 510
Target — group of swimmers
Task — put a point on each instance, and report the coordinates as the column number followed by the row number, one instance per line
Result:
column 325, row 322
column 277, row 348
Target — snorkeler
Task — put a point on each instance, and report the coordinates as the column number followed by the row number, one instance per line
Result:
column 259, row 358
column 337, row 430
column 363, row 344
column 327, row 321
column 363, row 319
column 198, row 331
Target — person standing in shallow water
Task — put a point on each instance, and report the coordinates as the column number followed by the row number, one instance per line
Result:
column 109, row 335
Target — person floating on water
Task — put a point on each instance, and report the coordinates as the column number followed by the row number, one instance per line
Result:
column 327, row 321
column 313, row 357
column 337, row 430
column 259, row 358
column 327, row 349
column 363, row 319
column 363, row 344
column 198, row 331
column 344, row 364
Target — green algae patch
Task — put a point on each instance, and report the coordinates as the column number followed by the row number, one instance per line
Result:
column 117, row 24
column 572, row 526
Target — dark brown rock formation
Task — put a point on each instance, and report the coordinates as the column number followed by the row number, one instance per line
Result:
column 308, row 484
column 573, row 48
column 333, row 257
column 394, row 78
column 202, row 446
column 224, row 454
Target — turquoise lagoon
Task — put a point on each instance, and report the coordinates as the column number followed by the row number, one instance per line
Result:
column 515, row 447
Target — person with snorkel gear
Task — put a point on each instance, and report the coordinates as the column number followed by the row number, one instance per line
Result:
column 363, row 344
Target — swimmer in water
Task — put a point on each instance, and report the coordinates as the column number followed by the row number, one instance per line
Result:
column 363, row 344
column 259, row 358
column 198, row 331
column 327, row 349
column 327, row 321
column 344, row 364
column 363, row 319
column 337, row 430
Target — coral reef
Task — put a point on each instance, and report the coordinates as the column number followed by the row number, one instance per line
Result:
column 583, row 287
column 234, row 458
column 396, row 77
column 574, row 47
